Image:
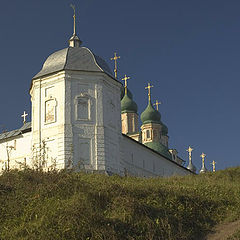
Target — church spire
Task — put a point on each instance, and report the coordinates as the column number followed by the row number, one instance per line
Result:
column 149, row 91
column 204, row 169
column 190, row 165
column 74, row 41
column 125, row 85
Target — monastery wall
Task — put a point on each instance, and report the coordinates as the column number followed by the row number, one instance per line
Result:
column 16, row 152
column 138, row 160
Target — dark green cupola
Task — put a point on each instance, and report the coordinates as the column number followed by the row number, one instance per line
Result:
column 150, row 115
column 128, row 105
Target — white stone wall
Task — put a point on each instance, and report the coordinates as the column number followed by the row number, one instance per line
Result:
column 48, row 119
column 94, row 134
column 16, row 151
column 76, row 120
column 138, row 160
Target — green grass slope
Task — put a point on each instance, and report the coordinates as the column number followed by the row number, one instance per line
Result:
column 37, row 205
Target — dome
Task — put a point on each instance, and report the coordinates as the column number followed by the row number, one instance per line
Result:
column 150, row 115
column 191, row 167
column 73, row 58
column 203, row 169
column 160, row 148
column 164, row 129
column 128, row 105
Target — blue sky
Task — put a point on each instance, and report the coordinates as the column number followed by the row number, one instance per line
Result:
column 189, row 50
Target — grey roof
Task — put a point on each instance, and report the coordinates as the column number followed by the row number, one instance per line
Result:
column 74, row 58
column 25, row 128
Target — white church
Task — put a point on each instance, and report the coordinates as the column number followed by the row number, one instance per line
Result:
column 83, row 118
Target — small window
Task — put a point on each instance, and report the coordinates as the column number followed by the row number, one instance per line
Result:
column 148, row 134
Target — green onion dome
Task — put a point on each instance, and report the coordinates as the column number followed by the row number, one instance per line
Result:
column 150, row 115
column 128, row 105
column 164, row 129
column 160, row 148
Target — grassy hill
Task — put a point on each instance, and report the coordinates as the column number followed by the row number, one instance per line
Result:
column 37, row 205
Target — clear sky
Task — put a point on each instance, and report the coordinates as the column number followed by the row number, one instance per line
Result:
column 189, row 50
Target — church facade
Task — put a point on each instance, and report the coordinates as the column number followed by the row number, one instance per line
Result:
column 83, row 118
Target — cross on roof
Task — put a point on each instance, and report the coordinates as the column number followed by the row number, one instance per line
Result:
column 149, row 91
column 203, row 155
column 115, row 58
column 74, row 18
column 189, row 150
column 24, row 117
column 214, row 165
column 157, row 103
column 125, row 85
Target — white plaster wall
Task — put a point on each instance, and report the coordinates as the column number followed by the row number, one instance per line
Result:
column 20, row 155
column 138, row 160
column 51, row 133
column 103, row 128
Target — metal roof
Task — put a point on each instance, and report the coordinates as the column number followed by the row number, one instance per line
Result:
column 73, row 58
column 25, row 128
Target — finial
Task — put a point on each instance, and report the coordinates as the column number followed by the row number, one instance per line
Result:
column 203, row 155
column 214, row 165
column 125, row 85
column 190, row 164
column 189, row 150
column 74, row 18
column 157, row 103
column 149, row 91
column 115, row 58
column 74, row 41
column 204, row 169
column 24, row 117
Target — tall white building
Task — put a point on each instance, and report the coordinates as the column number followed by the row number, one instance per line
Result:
column 82, row 119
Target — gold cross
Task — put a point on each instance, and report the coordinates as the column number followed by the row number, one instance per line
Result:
column 203, row 155
column 189, row 150
column 74, row 18
column 125, row 86
column 149, row 91
column 24, row 117
column 214, row 165
column 157, row 103
column 115, row 58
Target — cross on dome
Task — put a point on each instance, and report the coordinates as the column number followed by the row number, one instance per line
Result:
column 115, row 58
column 214, row 165
column 74, row 40
column 149, row 91
column 157, row 103
column 203, row 155
column 74, row 18
column 189, row 150
column 125, row 80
